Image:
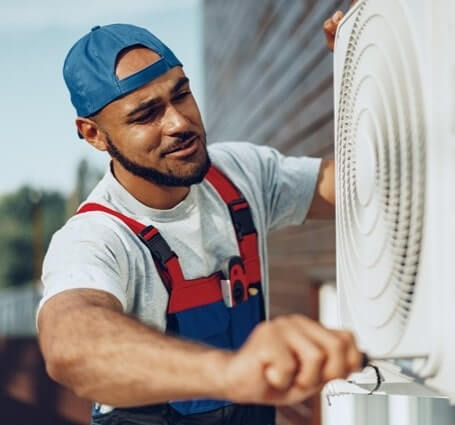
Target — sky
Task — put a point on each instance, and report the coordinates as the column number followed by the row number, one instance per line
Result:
column 38, row 138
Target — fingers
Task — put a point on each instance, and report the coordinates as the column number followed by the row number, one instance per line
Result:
column 308, row 356
column 337, row 348
column 320, row 354
column 279, row 377
column 287, row 359
column 282, row 368
column 332, row 346
column 331, row 24
column 280, row 365
column 353, row 354
column 330, row 28
column 312, row 363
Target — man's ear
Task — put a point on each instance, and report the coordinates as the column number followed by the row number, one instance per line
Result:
column 91, row 132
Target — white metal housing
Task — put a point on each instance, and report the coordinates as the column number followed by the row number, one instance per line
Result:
column 394, row 83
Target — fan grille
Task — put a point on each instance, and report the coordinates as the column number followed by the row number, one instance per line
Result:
column 380, row 157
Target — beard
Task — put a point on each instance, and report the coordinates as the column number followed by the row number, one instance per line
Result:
column 158, row 177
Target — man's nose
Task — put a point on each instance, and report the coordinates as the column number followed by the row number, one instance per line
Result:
column 175, row 121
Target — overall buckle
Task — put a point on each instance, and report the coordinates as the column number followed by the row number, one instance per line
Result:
column 158, row 247
column 241, row 217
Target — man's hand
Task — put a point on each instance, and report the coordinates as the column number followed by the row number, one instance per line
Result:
column 331, row 25
column 288, row 359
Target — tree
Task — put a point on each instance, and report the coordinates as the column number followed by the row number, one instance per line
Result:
column 28, row 218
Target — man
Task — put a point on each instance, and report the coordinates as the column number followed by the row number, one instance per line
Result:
column 156, row 291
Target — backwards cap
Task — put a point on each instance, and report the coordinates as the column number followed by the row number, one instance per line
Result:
column 89, row 68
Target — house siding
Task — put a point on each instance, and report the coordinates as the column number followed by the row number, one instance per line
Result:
column 268, row 80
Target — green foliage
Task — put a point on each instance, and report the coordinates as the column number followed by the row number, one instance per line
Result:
column 28, row 219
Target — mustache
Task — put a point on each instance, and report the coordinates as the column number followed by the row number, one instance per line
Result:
column 182, row 139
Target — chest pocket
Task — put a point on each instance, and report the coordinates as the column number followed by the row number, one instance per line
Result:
column 209, row 324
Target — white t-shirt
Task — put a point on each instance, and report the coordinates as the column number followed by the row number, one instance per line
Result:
column 96, row 250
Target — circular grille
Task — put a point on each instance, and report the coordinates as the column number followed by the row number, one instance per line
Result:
column 380, row 160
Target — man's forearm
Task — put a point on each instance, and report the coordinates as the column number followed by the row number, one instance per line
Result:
column 109, row 357
column 102, row 354
column 323, row 204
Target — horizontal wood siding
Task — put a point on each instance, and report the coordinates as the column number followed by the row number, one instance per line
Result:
column 269, row 81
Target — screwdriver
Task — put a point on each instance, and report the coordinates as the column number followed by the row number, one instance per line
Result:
column 400, row 361
column 366, row 358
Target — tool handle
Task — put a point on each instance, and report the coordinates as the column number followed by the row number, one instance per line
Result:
column 365, row 360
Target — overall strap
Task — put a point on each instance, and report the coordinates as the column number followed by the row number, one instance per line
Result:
column 167, row 264
column 165, row 259
column 242, row 219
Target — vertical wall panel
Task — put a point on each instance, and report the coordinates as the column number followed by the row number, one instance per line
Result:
column 269, row 81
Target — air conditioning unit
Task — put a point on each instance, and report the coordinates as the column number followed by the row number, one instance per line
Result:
column 394, row 84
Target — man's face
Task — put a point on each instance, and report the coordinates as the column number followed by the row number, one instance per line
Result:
column 156, row 132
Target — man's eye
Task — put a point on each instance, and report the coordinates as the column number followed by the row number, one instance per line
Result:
column 182, row 96
column 149, row 116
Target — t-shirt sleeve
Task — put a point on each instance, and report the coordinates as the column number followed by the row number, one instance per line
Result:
column 86, row 253
column 286, row 183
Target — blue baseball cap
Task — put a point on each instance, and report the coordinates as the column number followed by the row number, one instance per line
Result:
column 89, row 68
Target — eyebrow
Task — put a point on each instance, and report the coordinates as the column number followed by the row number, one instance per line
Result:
column 180, row 83
column 148, row 104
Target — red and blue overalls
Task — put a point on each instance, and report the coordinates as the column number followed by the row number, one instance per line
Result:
column 220, row 310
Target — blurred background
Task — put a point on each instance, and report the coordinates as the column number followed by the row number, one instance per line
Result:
column 47, row 170
column 260, row 71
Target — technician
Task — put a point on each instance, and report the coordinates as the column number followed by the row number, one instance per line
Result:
column 156, row 291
